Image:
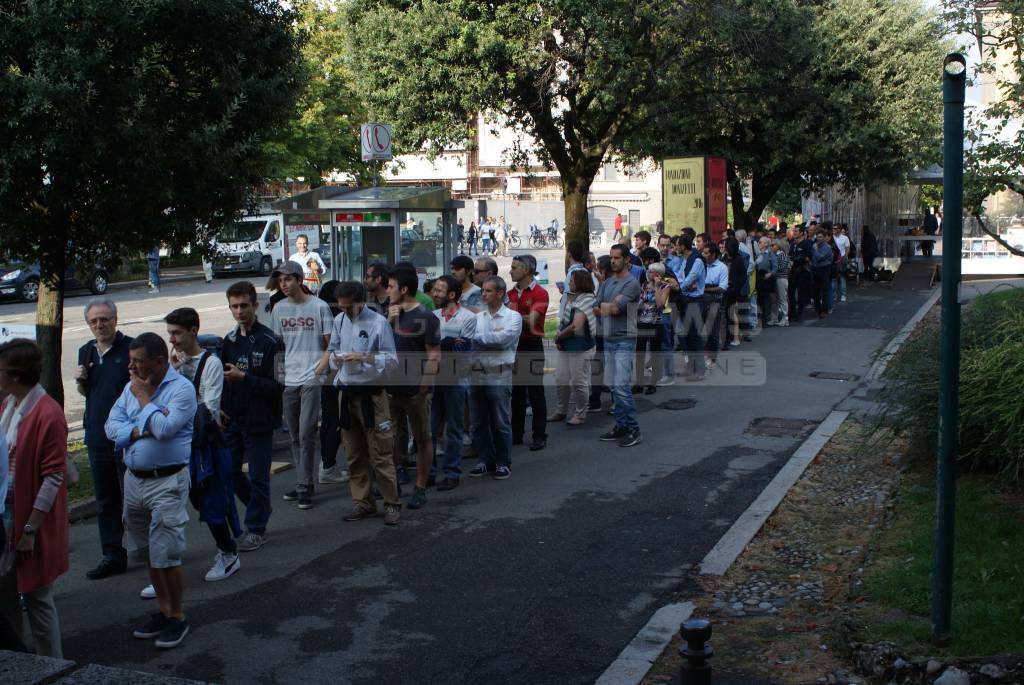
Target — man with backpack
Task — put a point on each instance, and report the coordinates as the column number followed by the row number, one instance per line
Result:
column 212, row 493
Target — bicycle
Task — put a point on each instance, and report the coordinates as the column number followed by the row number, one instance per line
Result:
column 537, row 239
column 514, row 241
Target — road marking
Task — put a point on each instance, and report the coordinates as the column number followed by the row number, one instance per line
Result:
column 636, row 659
column 736, row 539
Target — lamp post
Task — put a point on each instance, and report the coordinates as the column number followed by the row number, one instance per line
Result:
column 953, row 85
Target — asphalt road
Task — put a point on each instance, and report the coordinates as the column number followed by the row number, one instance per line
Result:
column 542, row 578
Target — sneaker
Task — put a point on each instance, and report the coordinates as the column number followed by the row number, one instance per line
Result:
column 153, row 626
column 478, row 470
column 614, row 434
column 250, row 542
column 305, row 501
column 335, row 474
column 666, row 380
column 502, row 472
column 290, row 496
column 148, row 592
column 418, row 499
column 593, row 408
column 223, row 566
column 632, row 437
column 392, row 514
column 358, row 514
column 538, row 444
column 843, row 298
column 173, row 633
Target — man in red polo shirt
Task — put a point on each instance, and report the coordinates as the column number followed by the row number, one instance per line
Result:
column 530, row 299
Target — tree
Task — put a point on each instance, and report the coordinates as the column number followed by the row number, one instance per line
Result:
column 128, row 123
column 579, row 77
column 994, row 159
column 322, row 135
column 816, row 94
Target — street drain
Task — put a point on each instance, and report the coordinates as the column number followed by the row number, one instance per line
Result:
column 774, row 427
column 833, row 376
column 678, row 404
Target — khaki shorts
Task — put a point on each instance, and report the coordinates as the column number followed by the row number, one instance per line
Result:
column 417, row 409
column 155, row 515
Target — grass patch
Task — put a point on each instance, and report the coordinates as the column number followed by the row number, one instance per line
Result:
column 988, row 605
column 82, row 490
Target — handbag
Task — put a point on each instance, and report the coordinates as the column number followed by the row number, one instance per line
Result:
column 579, row 343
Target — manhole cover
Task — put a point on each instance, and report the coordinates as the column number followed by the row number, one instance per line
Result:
column 833, row 376
column 678, row 404
column 774, row 427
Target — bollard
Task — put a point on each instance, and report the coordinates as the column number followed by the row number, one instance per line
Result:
column 695, row 669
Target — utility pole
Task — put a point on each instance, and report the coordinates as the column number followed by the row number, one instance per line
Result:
column 953, row 85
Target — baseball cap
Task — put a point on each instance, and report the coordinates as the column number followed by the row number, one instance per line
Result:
column 289, row 268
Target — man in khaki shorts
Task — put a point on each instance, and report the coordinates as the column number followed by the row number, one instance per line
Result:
column 152, row 421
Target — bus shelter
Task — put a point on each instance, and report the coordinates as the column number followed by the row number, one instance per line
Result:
column 357, row 227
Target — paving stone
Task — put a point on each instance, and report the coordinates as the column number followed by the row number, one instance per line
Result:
column 103, row 675
column 17, row 668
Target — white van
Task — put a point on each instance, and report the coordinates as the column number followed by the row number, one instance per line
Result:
column 252, row 244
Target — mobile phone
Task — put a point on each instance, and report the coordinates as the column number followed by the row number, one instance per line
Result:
column 561, row 286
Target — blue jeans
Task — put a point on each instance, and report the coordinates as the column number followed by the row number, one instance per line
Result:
column 253, row 490
column 485, row 243
column 842, row 283
column 449, row 401
column 107, row 466
column 692, row 313
column 619, row 356
column 154, row 272
column 490, row 410
column 668, row 344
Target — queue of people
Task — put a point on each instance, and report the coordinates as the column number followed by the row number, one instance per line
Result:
column 401, row 380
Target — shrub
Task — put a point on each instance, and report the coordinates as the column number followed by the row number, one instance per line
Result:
column 991, row 386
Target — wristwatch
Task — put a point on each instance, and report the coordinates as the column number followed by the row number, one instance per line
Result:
column 29, row 530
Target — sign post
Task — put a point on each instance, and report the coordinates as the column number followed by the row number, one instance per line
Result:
column 376, row 142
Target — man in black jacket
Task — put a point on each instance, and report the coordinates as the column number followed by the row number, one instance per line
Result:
column 251, row 408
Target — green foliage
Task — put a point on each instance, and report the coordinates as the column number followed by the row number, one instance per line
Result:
column 322, row 134
column 580, row 77
column 838, row 92
column 988, row 609
column 991, row 386
column 995, row 151
column 127, row 122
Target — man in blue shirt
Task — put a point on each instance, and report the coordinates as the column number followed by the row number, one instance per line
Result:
column 100, row 376
column 152, row 421
column 691, row 308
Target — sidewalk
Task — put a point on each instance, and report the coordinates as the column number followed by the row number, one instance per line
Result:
column 172, row 274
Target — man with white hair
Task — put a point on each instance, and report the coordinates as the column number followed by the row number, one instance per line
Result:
column 100, row 376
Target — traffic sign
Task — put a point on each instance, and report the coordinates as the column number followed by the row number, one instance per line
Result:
column 376, row 142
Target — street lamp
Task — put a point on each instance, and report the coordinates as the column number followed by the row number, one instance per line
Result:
column 953, row 86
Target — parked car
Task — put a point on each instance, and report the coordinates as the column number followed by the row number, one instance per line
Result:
column 21, row 282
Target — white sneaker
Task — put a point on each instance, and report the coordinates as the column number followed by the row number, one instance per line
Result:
column 666, row 380
column 843, row 298
column 223, row 566
column 148, row 592
column 335, row 474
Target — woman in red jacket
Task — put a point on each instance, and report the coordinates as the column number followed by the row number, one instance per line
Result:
column 36, row 508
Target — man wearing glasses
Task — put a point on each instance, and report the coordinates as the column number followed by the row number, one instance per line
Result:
column 100, row 376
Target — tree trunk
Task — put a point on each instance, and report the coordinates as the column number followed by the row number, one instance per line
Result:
column 574, row 194
column 50, row 321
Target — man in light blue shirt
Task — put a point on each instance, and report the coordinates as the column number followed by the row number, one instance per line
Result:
column 691, row 309
column 490, row 393
column 152, row 421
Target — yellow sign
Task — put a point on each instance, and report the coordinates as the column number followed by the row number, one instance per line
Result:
column 682, row 192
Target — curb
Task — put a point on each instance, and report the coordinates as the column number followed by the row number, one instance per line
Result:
column 170, row 279
column 643, row 650
column 889, row 351
column 731, row 545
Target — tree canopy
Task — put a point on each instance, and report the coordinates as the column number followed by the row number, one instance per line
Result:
column 322, row 134
column 994, row 159
column 579, row 77
column 129, row 122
